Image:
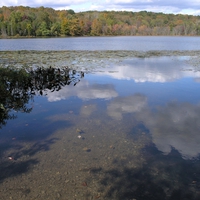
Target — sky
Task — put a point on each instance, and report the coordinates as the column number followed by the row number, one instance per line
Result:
column 191, row 7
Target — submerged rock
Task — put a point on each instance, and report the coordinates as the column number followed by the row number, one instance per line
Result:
column 86, row 149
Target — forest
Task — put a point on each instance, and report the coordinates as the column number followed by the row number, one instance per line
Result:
column 23, row 21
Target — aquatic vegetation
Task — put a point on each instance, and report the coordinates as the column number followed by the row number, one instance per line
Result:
column 81, row 60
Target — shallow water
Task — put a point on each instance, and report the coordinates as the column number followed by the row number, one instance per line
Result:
column 126, row 131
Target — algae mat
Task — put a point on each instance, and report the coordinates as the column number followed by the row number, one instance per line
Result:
column 83, row 60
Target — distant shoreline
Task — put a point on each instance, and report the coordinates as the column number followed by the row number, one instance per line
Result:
column 47, row 37
column 21, row 21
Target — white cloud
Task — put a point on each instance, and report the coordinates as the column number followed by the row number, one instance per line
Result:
column 131, row 104
column 45, row 3
column 84, row 91
column 176, row 126
column 170, row 6
column 159, row 69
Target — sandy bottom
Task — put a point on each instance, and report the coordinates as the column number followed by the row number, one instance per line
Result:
column 85, row 161
column 96, row 158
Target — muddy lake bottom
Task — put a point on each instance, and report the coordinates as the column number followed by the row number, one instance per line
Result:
column 119, row 125
column 65, row 166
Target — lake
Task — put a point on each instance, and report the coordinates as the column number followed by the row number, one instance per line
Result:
column 139, row 43
column 87, row 123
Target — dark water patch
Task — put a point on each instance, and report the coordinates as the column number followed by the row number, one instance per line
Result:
column 139, row 129
column 160, row 178
column 13, row 168
column 17, row 157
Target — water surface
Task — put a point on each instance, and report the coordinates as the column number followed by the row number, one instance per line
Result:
column 127, row 131
column 137, row 43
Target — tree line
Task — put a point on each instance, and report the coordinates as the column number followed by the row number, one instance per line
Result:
column 23, row 21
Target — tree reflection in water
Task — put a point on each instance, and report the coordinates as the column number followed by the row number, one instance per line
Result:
column 19, row 86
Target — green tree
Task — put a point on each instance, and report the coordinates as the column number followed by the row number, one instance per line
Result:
column 43, row 30
column 55, row 29
column 29, row 29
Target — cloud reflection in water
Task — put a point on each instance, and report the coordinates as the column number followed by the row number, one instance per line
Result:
column 84, row 91
column 158, row 70
column 131, row 104
column 174, row 125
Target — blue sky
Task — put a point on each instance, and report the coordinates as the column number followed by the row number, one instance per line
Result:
column 165, row 6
